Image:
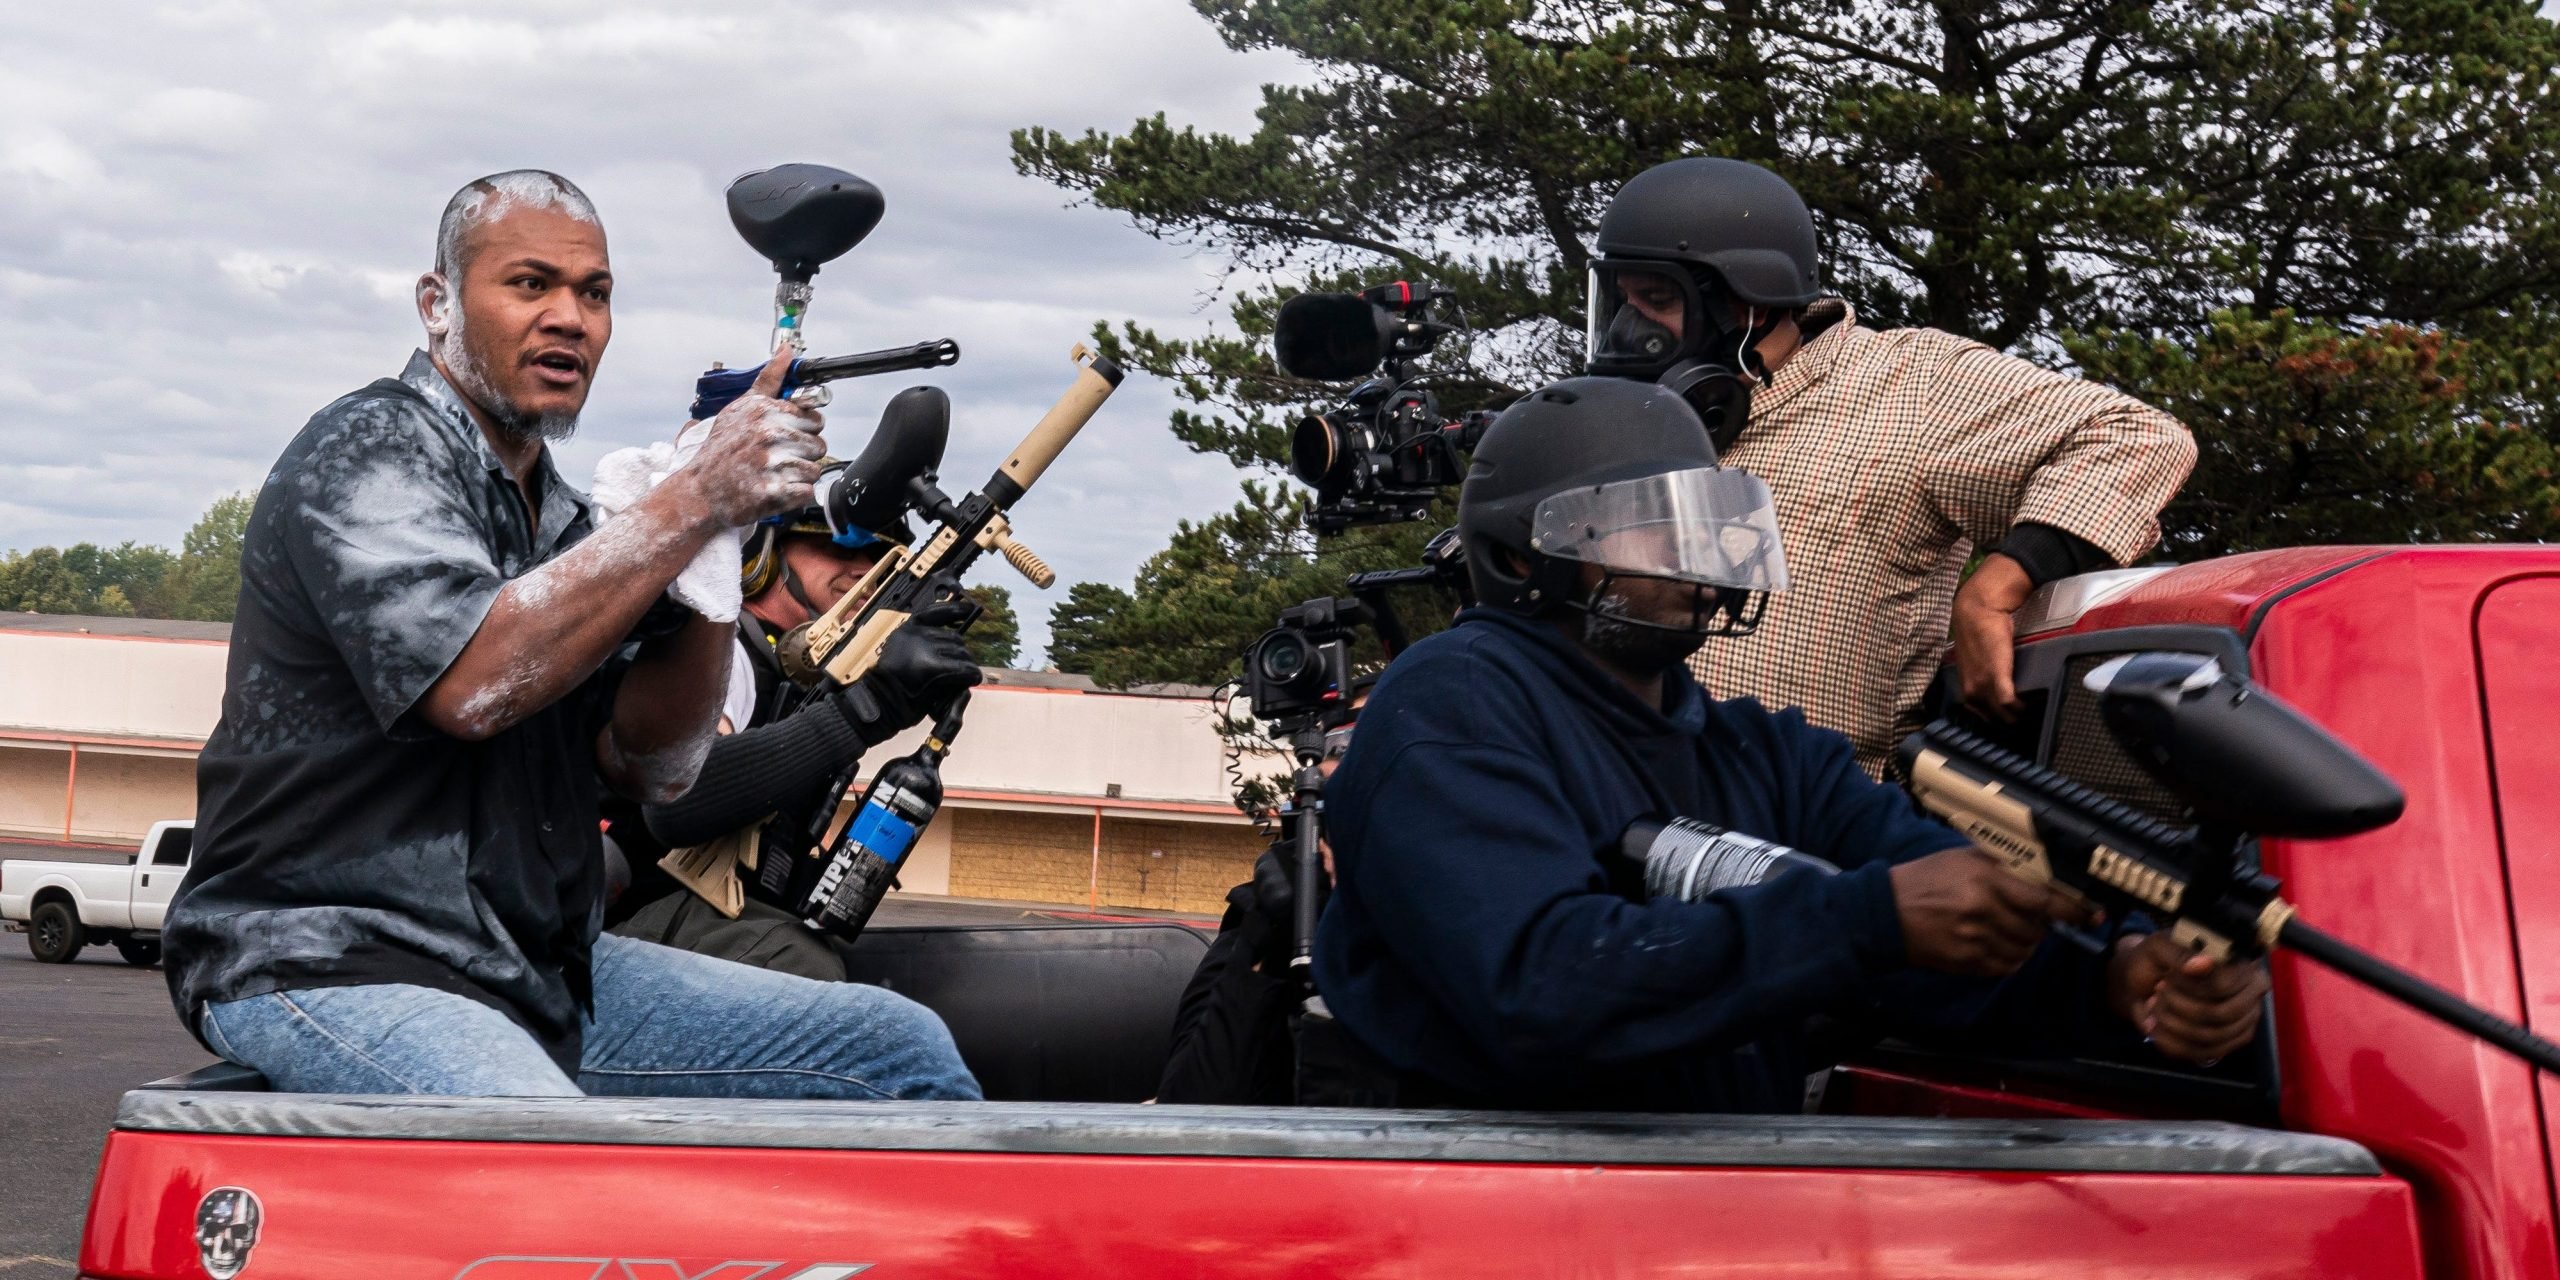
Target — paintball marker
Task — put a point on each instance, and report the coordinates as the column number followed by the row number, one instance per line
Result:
column 801, row 216
column 845, row 643
column 897, row 474
column 2246, row 764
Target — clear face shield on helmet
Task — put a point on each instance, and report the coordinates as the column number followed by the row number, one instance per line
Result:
column 1641, row 317
column 1711, row 527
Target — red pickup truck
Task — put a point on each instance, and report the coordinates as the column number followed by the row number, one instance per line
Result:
column 2359, row 1139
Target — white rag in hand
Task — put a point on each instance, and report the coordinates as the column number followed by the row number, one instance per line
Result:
column 709, row 585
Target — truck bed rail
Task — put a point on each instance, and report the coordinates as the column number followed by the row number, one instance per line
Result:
column 201, row 1104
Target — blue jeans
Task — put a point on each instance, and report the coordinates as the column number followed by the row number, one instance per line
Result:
column 666, row 1023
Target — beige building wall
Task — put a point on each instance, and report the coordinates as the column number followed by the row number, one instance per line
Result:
column 108, row 685
column 32, row 777
column 1051, row 857
column 120, row 795
column 1032, row 765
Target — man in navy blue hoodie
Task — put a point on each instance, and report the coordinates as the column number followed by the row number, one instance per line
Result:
column 1487, row 944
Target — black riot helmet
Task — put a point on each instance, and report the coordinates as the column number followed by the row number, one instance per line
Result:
column 1619, row 474
column 1697, row 260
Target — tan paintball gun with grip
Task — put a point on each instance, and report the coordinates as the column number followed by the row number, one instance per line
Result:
column 2246, row 764
column 844, row 644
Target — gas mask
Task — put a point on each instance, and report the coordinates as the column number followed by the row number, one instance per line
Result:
column 1671, row 324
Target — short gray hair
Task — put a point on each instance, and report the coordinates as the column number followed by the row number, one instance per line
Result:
column 483, row 199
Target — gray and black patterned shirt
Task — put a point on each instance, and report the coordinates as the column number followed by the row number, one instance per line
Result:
column 340, row 840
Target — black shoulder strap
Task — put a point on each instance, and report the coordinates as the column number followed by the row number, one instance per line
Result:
column 767, row 667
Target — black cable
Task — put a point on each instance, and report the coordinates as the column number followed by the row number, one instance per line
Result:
column 1232, row 757
column 2419, row 994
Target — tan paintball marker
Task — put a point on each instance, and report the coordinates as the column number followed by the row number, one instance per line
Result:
column 2246, row 764
column 840, row 647
column 895, row 475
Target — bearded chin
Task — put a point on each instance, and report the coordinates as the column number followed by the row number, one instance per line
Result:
column 472, row 379
column 1642, row 648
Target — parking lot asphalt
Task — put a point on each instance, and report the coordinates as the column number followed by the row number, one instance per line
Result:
column 74, row 1037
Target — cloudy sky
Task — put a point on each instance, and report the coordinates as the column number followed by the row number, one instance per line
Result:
column 212, row 212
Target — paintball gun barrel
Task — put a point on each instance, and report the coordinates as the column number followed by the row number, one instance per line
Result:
column 2247, row 764
column 713, row 391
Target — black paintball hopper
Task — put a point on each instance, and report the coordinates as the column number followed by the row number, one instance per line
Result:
column 2239, row 756
column 801, row 216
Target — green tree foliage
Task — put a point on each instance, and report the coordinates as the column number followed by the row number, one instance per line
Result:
column 201, row 581
column 45, row 581
column 2020, row 171
column 1083, row 628
column 1222, row 582
column 206, row 583
column 995, row 639
column 2310, row 434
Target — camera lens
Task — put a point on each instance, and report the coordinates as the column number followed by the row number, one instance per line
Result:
column 1284, row 657
column 1317, row 456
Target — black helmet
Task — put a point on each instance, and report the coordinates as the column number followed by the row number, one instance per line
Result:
column 1731, row 217
column 1620, row 474
column 1683, row 247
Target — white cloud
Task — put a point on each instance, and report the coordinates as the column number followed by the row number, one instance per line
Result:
column 208, row 120
column 211, row 214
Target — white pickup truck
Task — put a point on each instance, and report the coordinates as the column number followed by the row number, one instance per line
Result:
column 65, row 906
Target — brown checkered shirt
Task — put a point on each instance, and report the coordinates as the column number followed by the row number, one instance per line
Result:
column 1891, row 456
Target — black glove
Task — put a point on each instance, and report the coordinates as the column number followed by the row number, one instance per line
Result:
column 924, row 663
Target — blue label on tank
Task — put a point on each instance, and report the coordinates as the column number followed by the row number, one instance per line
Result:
column 884, row 833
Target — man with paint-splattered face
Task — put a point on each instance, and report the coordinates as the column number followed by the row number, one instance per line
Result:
column 441, row 653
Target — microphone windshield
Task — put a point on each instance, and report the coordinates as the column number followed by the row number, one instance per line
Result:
column 1330, row 337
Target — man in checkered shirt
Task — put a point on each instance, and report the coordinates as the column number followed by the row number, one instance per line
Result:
column 1894, row 455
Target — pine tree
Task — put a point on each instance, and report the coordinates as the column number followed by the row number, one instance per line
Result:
column 2047, row 178
column 995, row 639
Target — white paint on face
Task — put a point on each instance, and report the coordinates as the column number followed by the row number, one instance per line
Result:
column 507, row 193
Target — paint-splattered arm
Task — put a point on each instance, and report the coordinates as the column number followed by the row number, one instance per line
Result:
column 665, row 712
column 550, row 629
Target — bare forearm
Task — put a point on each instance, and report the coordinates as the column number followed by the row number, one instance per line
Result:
column 552, row 628
column 666, row 712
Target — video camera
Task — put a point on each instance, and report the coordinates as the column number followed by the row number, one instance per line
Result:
column 1298, row 676
column 1388, row 450
column 1303, row 665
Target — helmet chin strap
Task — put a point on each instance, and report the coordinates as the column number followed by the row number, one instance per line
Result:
column 791, row 583
column 1713, row 611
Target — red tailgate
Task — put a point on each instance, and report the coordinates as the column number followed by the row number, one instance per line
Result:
column 604, row 1189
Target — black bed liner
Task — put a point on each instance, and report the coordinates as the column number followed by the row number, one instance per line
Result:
column 219, row 1100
